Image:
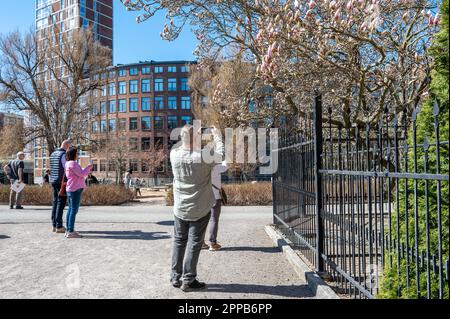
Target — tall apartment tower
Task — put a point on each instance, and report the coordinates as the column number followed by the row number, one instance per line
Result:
column 65, row 15
column 54, row 17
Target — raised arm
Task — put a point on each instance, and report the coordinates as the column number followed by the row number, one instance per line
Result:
column 78, row 171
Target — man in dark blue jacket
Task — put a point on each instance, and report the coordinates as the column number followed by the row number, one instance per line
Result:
column 57, row 164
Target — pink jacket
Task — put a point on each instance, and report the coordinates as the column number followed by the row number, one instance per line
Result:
column 75, row 176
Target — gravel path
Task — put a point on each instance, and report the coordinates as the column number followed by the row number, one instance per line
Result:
column 126, row 254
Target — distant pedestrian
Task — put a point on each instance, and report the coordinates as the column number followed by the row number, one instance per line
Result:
column 47, row 177
column 57, row 166
column 137, row 187
column 128, row 179
column 15, row 173
column 75, row 186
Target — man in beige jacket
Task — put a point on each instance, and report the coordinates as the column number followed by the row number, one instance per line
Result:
column 193, row 200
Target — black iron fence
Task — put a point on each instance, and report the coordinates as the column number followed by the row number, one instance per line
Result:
column 368, row 206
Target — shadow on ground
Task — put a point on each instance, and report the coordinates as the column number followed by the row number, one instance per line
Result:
column 282, row 291
column 257, row 249
column 4, row 237
column 136, row 235
column 166, row 223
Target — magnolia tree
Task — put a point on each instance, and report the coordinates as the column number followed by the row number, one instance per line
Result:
column 366, row 57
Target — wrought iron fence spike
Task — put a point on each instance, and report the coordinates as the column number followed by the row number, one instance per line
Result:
column 436, row 107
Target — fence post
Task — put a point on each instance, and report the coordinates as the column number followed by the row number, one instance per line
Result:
column 318, row 149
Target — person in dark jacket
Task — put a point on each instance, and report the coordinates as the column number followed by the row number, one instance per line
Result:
column 91, row 180
column 57, row 165
column 47, row 177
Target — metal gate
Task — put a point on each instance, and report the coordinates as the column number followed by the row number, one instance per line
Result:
column 356, row 203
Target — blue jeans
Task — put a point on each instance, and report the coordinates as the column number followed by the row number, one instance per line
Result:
column 187, row 245
column 74, row 205
column 58, row 204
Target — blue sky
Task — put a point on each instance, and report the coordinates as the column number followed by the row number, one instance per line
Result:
column 132, row 42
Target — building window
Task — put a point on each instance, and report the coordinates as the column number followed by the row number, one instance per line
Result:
column 134, row 71
column 94, row 127
column 134, row 146
column 145, row 70
column 95, row 111
column 146, row 143
column 159, row 85
column 104, row 90
column 145, row 86
column 172, row 122
column 112, row 106
column 122, row 87
column 122, row 125
column 122, row 106
column 185, row 120
column 172, row 103
column 159, row 142
column 184, row 84
column 103, row 126
column 112, row 125
column 185, row 103
column 134, row 105
column 112, row 166
column 159, row 123
column 172, row 84
column 134, row 86
column 145, row 104
column 134, row 165
column 112, row 74
column 185, row 69
column 103, row 107
column 102, row 166
column 144, row 166
column 146, row 123
column 133, row 123
column 112, row 89
column 95, row 166
column 122, row 73
column 159, row 103
column 159, row 69
column 172, row 69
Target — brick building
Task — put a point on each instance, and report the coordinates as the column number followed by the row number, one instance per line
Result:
column 140, row 103
column 55, row 16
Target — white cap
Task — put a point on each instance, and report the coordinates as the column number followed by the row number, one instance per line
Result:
column 20, row 154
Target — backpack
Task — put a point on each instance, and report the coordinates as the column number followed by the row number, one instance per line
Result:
column 8, row 171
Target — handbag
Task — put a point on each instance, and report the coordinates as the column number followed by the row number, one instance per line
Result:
column 62, row 190
column 223, row 194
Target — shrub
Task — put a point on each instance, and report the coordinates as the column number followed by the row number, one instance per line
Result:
column 100, row 195
column 247, row 194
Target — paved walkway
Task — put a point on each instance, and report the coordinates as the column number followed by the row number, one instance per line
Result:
column 126, row 254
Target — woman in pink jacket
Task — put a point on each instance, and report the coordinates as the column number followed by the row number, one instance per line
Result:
column 75, row 186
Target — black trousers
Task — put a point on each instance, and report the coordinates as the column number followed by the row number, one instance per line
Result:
column 58, row 205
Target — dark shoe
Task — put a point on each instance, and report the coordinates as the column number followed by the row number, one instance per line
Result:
column 11, row 207
column 19, row 207
column 61, row 230
column 195, row 285
column 176, row 283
